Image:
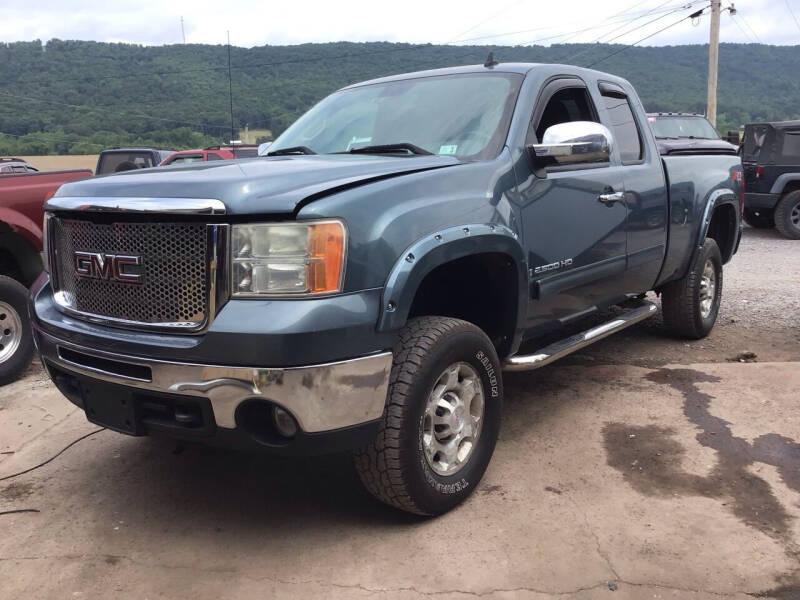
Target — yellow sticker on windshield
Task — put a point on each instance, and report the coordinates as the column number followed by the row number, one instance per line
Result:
column 448, row 149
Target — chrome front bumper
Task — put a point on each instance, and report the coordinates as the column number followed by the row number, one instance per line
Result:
column 321, row 397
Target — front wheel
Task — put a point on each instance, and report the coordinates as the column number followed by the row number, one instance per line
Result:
column 16, row 338
column 441, row 421
column 690, row 305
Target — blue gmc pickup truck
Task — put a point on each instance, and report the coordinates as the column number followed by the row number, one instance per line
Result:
column 365, row 285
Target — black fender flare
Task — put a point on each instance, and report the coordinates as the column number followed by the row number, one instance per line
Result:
column 716, row 199
column 441, row 247
column 782, row 180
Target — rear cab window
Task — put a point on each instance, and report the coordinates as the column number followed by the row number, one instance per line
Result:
column 623, row 125
column 190, row 158
column 114, row 162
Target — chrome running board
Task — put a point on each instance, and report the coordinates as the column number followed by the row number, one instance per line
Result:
column 561, row 348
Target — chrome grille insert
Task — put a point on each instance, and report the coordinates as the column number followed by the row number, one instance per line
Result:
column 177, row 279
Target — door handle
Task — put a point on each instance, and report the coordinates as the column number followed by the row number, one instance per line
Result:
column 610, row 198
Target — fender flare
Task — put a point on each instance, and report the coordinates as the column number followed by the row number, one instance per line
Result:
column 438, row 248
column 22, row 238
column 782, row 180
column 22, row 225
column 716, row 199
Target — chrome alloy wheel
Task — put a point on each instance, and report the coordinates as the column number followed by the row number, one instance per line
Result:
column 794, row 216
column 10, row 331
column 453, row 419
column 708, row 289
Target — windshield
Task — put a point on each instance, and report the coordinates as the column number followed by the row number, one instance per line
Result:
column 463, row 115
column 186, row 159
column 683, row 127
column 114, row 162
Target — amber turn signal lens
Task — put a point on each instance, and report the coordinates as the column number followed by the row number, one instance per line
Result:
column 326, row 254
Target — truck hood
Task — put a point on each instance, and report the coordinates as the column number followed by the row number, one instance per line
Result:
column 267, row 185
column 694, row 146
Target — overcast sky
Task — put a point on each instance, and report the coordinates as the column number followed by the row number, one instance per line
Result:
column 259, row 22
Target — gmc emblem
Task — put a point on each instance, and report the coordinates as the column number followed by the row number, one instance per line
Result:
column 117, row 267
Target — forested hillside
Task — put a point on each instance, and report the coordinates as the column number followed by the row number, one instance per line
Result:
column 78, row 97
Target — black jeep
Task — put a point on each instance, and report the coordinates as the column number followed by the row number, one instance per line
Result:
column 771, row 158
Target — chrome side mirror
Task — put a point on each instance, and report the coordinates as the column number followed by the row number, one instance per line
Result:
column 572, row 143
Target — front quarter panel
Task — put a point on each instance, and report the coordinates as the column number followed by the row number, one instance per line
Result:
column 386, row 218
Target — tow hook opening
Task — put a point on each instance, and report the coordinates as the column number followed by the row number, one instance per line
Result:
column 266, row 422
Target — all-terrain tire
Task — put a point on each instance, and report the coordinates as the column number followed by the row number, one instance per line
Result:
column 16, row 337
column 787, row 215
column 394, row 468
column 765, row 219
column 681, row 300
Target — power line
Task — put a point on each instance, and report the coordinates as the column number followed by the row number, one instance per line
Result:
column 671, row 11
column 625, row 21
column 791, row 12
column 742, row 29
column 604, row 24
column 486, row 20
column 693, row 15
column 755, row 35
column 623, row 34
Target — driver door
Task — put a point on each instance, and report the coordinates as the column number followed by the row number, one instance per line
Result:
column 574, row 236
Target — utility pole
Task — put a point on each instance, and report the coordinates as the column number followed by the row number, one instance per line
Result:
column 230, row 86
column 713, row 61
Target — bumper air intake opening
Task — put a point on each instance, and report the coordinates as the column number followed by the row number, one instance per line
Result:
column 113, row 367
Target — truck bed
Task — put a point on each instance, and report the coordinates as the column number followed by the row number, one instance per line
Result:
column 695, row 185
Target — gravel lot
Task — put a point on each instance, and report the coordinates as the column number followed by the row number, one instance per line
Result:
column 643, row 467
column 760, row 313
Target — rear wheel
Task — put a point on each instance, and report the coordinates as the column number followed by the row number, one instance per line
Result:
column 690, row 305
column 441, row 421
column 16, row 339
column 787, row 215
column 759, row 218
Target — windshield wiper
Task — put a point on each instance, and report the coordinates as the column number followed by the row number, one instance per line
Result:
column 390, row 149
column 291, row 150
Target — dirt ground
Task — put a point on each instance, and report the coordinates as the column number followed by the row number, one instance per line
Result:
column 643, row 467
column 60, row 163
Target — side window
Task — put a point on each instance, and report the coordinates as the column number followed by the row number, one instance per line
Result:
column 213, row 156
column 624, row 127
column 791, row 145
column 566, row 105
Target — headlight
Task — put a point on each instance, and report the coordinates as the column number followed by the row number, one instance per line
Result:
column 287, row 258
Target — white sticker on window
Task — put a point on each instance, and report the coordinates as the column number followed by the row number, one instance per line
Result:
column 448, row 149
column 357, row 140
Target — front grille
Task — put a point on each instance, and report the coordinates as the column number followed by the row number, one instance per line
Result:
column 173, row 290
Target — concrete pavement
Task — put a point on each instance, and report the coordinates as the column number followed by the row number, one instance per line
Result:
column 609, row 481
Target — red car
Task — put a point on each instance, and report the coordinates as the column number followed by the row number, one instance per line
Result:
column 22, row 196
column 211, row 153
